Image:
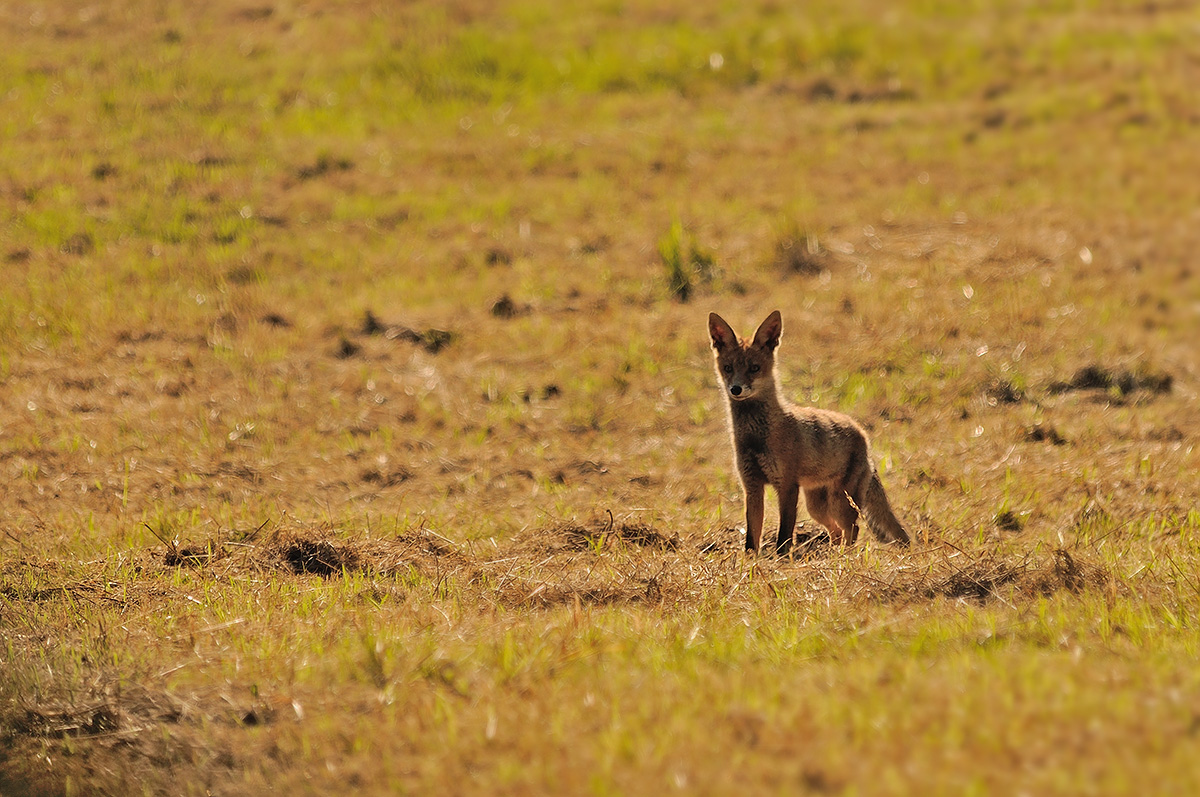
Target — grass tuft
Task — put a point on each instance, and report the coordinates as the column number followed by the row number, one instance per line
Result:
column 798, row 251
column 688, row 264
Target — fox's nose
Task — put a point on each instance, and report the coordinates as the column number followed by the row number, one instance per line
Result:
column 735, row 390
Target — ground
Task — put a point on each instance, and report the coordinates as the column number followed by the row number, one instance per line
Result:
column 358, row 422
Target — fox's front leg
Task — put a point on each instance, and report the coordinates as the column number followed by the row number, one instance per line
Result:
column 789, row 498
column 754, row 515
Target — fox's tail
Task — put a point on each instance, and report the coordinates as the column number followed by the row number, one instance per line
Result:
column 879, row 515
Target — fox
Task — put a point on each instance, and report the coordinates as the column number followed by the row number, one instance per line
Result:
column 824, row 453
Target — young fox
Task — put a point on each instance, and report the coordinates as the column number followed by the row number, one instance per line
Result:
column 793, row 448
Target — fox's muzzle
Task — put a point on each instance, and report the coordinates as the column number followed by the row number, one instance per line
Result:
column 740, row 391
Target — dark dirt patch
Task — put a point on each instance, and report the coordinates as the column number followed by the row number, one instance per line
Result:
column 1008, row 521
column 318, row 557
column 140, row 336
column 276, row 320
column 497, row 256
column 319, row 552
column 371, row 325
column 255, row 13
column 387, row 478
column 346, row 349
column 1086, row 378
column 188, row 556
column 323, row 165
column 506, row 307
column 316, row 550
column 1122, row 381
column 84, row 383
column 1002, row 391
column 1041, row 433
column 209, row 160
column 432, row 340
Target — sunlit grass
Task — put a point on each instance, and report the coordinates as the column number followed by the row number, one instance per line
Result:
column 396, row 287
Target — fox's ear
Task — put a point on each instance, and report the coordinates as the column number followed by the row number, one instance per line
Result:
column 723, row 336
column 767, row 336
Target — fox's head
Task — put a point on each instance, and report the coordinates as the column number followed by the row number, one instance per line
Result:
column 746, row 368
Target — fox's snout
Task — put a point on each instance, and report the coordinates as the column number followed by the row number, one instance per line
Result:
column 740, row 386
column 741, row 375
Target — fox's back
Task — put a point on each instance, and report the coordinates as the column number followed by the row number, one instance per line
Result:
column 780, row 442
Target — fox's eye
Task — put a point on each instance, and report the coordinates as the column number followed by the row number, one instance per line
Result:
column 727, row 369
column 754, row 369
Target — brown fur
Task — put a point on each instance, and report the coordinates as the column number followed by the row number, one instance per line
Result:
column 792, row 448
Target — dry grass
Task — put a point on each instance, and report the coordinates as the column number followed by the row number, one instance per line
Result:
column 396, row 625
column 358, row 428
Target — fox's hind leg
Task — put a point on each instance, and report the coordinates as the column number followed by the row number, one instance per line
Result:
column 817, row 501
column 847, row 499
column 845, row 515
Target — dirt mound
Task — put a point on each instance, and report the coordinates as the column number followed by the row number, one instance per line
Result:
column 993, row 577
column 313, row 550
column 105, row 712
column 555, row 565
column 810, row 540
column 589, row 596
column 977, row 582
column 577, row 584
column 320, row 557
column 601, row 535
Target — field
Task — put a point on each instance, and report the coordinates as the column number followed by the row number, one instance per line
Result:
column 359, row 428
